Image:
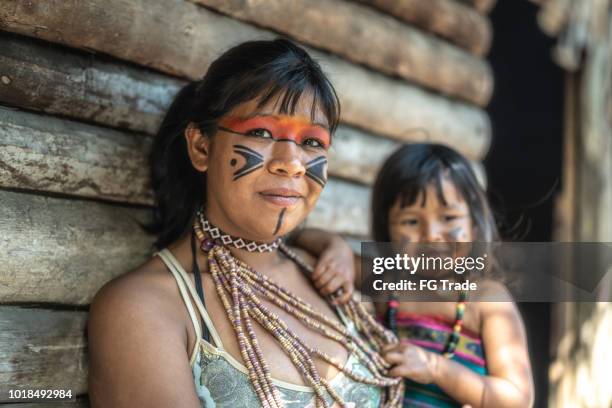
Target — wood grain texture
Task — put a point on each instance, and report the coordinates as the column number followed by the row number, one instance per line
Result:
column 182, row 39
column 42, row 349
column 356, row 155
column 63, row 251
column 49, row 79
column 55, row 155
column 367, row 37
column 345, row 206
column 406, row 113
column 449, row 19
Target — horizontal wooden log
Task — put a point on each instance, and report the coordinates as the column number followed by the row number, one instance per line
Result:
column 483, row 6
column 182, row 39
column 406, row 113
column 344, row 206
column 49, row 154
column 357, row 155
column 450, row 19
column 63, row 251
column 367, row 37
column 36, row 76
column 42, row 349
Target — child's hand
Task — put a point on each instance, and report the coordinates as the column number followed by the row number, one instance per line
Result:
column 335, row 270
column 411, row 362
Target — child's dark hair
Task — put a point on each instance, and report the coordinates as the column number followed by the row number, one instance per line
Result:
column 408, row 172
column 265, row 70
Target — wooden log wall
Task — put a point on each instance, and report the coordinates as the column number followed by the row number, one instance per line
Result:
column 84, row 85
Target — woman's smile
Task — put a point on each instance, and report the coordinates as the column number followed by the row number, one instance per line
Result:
column 281, row 197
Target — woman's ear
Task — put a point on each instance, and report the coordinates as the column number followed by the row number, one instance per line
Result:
column 198, row 146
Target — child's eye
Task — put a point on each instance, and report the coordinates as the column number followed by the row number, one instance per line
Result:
column 313, row 143
column 452, row 217
column 260, row 132
column 409, row 221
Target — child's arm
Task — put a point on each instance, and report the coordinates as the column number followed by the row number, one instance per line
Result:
column 508, row 383
column 335, row 267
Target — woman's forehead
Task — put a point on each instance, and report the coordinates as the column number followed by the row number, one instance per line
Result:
column 304, row 110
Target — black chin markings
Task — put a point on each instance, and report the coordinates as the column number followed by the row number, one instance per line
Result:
column 279, row 223
column 315, row 170
column 254, row 161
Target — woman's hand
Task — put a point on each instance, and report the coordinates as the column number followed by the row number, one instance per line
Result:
column 335, row 270
column 410, row 361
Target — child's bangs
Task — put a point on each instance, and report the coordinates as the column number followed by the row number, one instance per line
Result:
column 416, row 187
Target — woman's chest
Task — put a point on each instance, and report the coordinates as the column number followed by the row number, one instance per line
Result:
column 278, row 322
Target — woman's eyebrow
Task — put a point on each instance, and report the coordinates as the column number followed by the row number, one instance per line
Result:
column 274, row 116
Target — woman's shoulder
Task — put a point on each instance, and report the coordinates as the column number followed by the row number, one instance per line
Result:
column 147, row 291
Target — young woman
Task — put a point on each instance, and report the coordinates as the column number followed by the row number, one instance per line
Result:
column 455, row 353
column 239, row 161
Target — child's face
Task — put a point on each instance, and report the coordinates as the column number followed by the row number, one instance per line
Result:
column 430, row 220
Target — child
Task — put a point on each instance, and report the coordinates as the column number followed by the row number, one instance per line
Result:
column 451, row 354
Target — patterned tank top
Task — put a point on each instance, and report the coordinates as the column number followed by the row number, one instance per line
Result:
column 432, row 334
column 222, row 381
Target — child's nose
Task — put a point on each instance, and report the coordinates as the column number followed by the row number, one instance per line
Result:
column 433, row 232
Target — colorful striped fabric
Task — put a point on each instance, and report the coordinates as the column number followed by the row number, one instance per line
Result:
column 432, row 333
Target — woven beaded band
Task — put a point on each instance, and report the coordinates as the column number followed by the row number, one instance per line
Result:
column 239, row 243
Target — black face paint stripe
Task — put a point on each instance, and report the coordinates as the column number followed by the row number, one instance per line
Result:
column 279, row 222
column 315, row 170
column 455, row 233
column 254, row 161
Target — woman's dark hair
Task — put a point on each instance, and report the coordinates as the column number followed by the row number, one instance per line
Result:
column 265, row 70
column 408, row 172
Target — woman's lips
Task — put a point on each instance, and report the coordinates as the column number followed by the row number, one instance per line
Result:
column 282, row 197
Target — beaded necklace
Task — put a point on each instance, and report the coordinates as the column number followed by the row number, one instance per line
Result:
column 454, row 336
column 241, row 289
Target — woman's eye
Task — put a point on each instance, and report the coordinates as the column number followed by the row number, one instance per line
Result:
column 409, row 222
column 313, row 143
column 263, row 133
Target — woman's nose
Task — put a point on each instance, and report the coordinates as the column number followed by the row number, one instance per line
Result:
column 286, row 160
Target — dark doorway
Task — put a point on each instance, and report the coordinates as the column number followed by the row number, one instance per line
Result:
column 524, row 163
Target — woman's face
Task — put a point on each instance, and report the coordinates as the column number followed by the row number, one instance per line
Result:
column 430, row 219
column 265, row 170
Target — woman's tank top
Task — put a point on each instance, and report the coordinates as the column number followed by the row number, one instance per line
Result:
column 222, row 381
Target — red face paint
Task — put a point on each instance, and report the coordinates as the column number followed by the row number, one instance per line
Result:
column 280, row 127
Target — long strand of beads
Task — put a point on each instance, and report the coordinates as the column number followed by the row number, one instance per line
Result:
column 264, row 320
column 344, row 336
column 239, row 288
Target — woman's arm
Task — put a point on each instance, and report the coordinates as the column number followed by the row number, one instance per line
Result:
column 137, row 347
column 508, row 383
